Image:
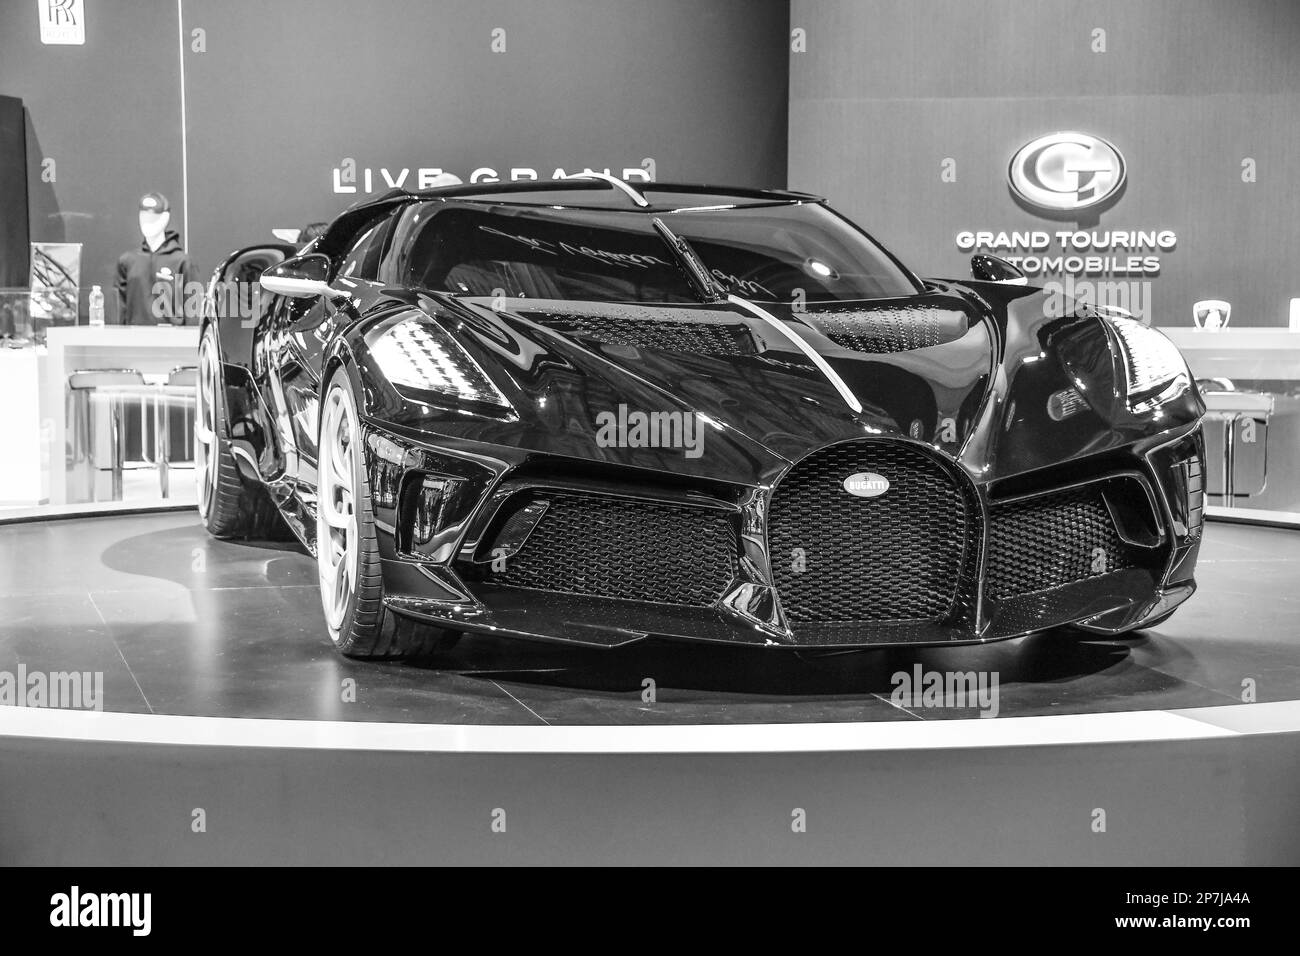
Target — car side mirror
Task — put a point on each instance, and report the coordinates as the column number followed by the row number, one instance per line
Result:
column 988, row 268
column 300, row 277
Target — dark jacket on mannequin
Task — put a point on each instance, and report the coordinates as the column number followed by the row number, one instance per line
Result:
column 151, row 284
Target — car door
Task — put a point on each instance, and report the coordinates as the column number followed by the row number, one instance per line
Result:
column 303, row 331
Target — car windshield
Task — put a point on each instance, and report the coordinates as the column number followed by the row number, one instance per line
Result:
column 792, row 252
column 775, row 253
column 536, row 253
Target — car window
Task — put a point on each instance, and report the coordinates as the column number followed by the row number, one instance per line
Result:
column 362, row 260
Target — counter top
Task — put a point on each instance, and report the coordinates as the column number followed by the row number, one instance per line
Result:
column 125, row 336
column 1190, row 337
column 1248, row 354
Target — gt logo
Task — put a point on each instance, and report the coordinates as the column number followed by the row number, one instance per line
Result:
column 866, row 484
column 1064, row 171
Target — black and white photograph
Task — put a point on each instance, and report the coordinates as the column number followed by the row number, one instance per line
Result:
column 752, row 433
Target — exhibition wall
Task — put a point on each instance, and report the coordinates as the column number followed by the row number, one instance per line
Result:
column 102, row 125
column 906, row 114
column 286, row 101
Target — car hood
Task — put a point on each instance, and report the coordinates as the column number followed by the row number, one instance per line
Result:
column 931, row 368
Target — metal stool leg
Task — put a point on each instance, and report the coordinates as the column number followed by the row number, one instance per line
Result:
column 83, row 448
column 163, row 424
column 117, row 442
column 1230, row 461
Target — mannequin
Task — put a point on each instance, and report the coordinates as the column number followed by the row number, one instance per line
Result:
column 151, row 280
column 153, row 226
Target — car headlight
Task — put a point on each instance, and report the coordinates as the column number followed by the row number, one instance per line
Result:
column 418, row 353
column 1155, row 370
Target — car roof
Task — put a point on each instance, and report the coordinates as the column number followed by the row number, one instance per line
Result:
column 604, row 194
column 601, row 194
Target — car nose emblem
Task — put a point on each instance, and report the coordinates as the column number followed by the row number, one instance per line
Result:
column 866, row 484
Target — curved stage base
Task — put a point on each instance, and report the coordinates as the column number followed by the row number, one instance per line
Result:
column 1202, row 787
column 224, row 697
column 180, row 623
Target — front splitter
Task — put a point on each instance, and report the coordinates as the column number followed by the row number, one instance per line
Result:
column 1130, row 596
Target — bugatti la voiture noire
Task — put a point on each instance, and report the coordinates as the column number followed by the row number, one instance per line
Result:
column 593, row 412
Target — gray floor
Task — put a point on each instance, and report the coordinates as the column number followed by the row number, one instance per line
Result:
column 181, row 624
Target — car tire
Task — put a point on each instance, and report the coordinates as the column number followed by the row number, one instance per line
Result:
column 347, row 551
column 230, row 505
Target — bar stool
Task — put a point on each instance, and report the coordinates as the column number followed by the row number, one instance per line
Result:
column 1232, row 409
column 181, row 391
column 82, row 456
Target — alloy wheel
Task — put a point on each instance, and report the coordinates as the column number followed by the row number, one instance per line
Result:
column 336, row 509
column 205, row 428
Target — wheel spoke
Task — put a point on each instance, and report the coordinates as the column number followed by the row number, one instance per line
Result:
column 340, row 458
column 333, row 515
column 340, row 590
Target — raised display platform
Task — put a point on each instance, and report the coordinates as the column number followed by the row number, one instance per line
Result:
column 223, row 695
column 180, row 623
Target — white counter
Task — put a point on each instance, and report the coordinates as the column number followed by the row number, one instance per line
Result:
column 152, row 350
column 1239, row 353
column 24, row 474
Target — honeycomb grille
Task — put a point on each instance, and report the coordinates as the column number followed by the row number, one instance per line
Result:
column 634, row 551
column 663, row 334
column 906, row 556
column 896, row 329
column 1052, row 540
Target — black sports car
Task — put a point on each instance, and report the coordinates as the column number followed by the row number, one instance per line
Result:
column 594, row 412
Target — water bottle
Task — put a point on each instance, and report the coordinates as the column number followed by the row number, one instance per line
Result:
column 96, row 306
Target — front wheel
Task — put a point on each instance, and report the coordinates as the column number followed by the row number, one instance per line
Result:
column 347, row 552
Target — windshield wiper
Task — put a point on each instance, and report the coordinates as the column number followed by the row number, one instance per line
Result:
column 711, row 291
column 699, row 275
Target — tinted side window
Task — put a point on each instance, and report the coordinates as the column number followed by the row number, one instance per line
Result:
column 362, row 260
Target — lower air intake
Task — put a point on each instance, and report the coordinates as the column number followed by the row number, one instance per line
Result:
column 629, row 550
column 1051, row 540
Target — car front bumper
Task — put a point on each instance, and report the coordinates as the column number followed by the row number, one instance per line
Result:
column 435, row 572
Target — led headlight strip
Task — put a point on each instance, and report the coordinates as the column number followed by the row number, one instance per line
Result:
column 1153, row 365
column 416, row 352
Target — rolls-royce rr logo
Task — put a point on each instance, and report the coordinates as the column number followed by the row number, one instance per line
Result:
column 62, row 21
column 1067, row 170
column 866, row 484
